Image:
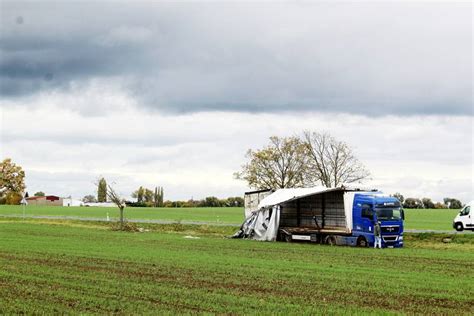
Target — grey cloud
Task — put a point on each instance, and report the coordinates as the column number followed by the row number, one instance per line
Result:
column 392, row 58
column 196, row 154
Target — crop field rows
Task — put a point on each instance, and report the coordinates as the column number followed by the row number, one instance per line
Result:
column 65, row 266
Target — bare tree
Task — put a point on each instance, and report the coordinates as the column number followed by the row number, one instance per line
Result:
column 331, row 162
column 279, row 165
column 114, row 197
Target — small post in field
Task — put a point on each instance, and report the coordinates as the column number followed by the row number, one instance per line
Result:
column 24, row 202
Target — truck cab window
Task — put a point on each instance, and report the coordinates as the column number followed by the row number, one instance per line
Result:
column 389, row 213
column 367, row 211
column 465, row 211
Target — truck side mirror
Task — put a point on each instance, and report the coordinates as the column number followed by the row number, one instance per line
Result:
column 402, row 213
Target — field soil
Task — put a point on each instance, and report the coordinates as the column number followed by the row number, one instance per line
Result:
column 50, row 267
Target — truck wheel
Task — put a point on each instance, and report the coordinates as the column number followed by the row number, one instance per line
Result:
column 362, row 242
column 285, row 237
column 330, row 240
column 459, row 227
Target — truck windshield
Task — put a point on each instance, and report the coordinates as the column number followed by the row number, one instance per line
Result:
column 388, row 213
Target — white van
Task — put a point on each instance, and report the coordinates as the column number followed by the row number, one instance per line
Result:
column 465, row 218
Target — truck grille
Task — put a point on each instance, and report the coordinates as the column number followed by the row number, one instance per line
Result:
column 390, row 229
column 390, row 238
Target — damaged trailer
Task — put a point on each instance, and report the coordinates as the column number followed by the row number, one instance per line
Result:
column 334, row 216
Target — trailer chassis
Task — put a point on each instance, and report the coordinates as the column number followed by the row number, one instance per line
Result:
column 327, row 236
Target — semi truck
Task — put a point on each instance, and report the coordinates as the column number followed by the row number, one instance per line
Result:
column 334, row 216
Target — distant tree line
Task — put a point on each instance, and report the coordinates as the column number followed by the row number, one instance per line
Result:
column 89, row 199
column 427, row 203
column 155, row 198
column 210, row 201
column 148, row 198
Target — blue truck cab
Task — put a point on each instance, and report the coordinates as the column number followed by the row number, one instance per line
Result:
column 370, row 208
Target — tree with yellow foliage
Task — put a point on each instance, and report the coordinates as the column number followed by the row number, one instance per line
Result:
column 12, row 182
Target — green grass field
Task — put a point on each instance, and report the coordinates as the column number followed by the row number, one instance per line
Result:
column 226, row 215
column 430, row 219
column 84, row 267
column 415, row 219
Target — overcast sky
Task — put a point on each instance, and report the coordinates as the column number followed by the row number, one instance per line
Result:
column 173, row 94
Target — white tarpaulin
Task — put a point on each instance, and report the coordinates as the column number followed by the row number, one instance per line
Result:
column 261, row 225
column 283, row 195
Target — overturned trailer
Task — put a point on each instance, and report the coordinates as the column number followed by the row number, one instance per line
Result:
column 333, row 216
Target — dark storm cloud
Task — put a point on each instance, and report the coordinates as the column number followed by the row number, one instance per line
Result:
column 392, row 58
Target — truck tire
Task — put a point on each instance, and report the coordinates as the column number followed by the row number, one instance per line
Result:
column 362, row 242
column 330, row 240
column 284, row 236
column 459, row 227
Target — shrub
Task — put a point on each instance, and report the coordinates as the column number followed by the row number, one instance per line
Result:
column 127, row 227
